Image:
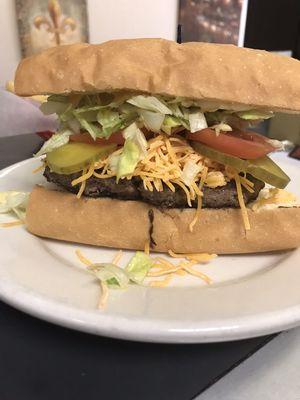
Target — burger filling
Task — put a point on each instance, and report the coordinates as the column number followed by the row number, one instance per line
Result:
column 133, row 189
column 169, row 152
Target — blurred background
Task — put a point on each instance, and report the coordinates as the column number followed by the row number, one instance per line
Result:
column 29, row 26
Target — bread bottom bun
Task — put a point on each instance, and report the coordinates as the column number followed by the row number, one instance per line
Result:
column 130, row 224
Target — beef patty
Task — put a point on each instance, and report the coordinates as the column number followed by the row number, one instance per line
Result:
column 222, row 196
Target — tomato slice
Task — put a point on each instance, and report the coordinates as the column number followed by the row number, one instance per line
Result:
column 45, row 134
column 243, row 144
column 84, row 137
column 116, row 138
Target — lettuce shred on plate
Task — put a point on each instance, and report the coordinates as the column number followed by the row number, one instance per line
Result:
column 141, row 266
column 116, row 277
column 14, row 202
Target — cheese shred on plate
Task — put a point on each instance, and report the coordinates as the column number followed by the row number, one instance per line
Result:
column 11, row 224
column 159, row 267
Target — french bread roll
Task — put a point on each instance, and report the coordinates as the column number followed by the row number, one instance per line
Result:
column 130, row 224
column 219, row 75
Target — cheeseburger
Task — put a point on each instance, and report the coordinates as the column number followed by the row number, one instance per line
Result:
column 157, row 144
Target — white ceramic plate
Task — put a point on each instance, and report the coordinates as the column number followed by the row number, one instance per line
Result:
column 251, row 295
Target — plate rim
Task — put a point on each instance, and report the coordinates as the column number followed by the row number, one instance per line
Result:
column 98, row 323
column 141, row 329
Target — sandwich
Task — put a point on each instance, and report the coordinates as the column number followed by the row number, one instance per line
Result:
column 157, row 143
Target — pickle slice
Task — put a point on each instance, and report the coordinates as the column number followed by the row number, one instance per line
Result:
column 262, row 168
column 268, row 171
column 73, row 157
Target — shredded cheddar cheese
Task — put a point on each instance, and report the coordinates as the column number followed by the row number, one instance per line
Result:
column 164, row 262
column 163, row 272
column 192, row 271
column 83, row 184
column 181, row 272
column 242, row 202
column 162, row 283
column 85, row 176
column 199, row 257
column 117, row 257
column 82, row 258
column 38, row 169
column 163, row 267
column 247, row 184
column 104, row 288
column 164, row 165
column 104, row 295
column 160, row 268
column 199, row 204
column 215, row 179
column 147, row 247
column 11, row 224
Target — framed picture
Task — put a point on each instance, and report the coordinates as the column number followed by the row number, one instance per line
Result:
column 215, row 21
column 48, row 23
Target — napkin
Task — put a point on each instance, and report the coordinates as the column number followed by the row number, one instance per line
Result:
column 20, row 115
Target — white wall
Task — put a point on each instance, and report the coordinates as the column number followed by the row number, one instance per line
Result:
column 108, row 19
column 9, row 42
column 113, row 19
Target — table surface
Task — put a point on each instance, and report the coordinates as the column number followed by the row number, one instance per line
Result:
column 271, row 374
column 44, row 361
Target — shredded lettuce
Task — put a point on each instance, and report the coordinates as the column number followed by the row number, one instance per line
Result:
column 15, row 202
column 111, row 274
column 74, row 124
column 100, row 121
column 67, row 114
column 150, row 103
column 89, row 115
column 109, row 120
column 221, row 127
column 179, row 114
column 190, row 103
column 190, row 171
column 152, row 120
column 133, row 133
column 169, row 123
column 183, row 101
column 129, row 158
column 56, row 140
column 277, row 144
column 119, row 278
column 92, row 128
column 59, row 98
column 138, row 267
column 128, row 109
column 113, row 161
column 255, row 114
column 89, row 109
column 105, row 113
column 176, row 110
column 197, row 121
column 53, row 107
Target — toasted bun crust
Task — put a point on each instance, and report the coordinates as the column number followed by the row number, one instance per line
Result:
column 130, row 224
column 222, row 76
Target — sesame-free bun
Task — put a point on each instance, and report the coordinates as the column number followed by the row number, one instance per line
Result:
column 130, row 224
column 222, row 76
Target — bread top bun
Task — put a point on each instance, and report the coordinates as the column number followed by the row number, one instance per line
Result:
column 222, row 76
